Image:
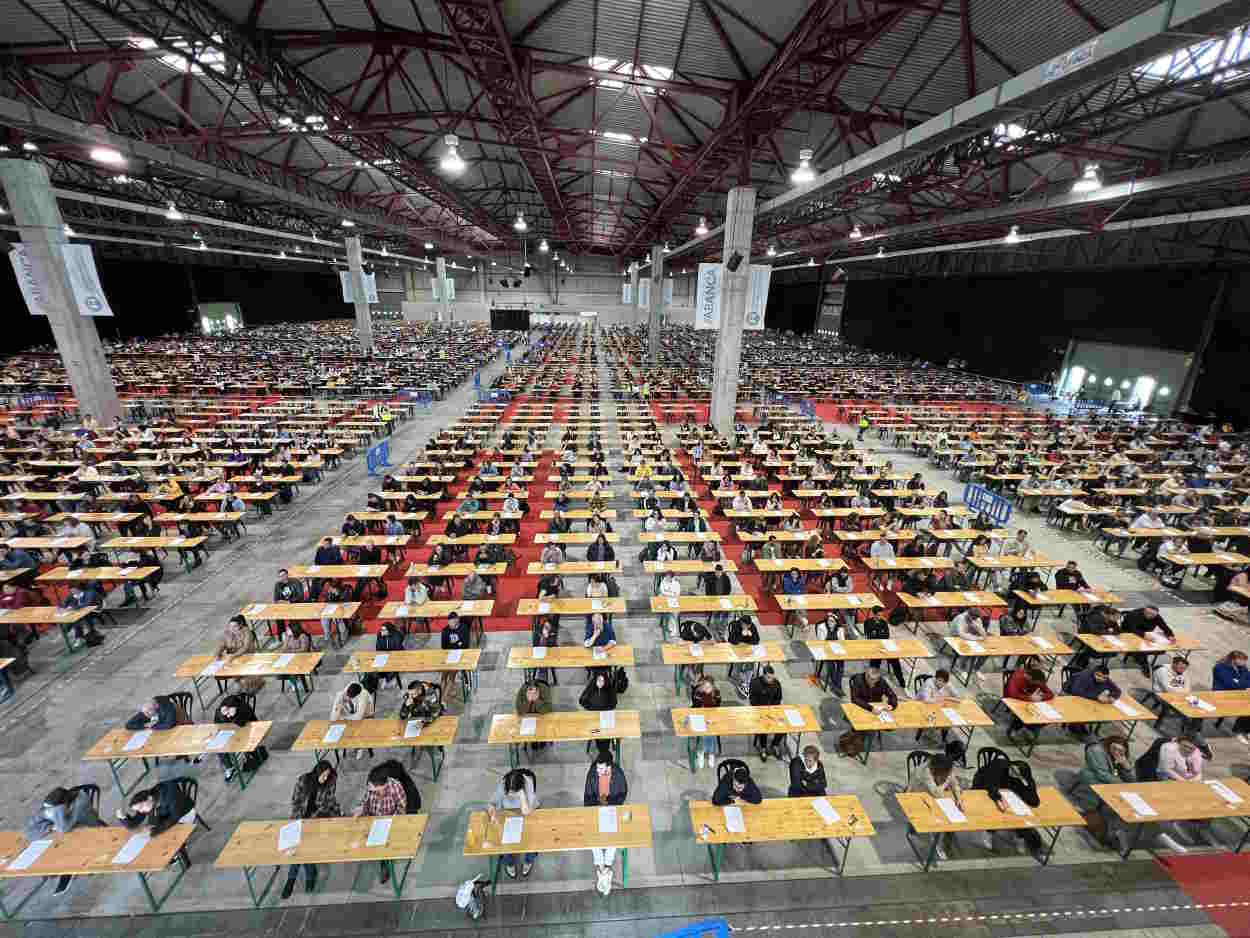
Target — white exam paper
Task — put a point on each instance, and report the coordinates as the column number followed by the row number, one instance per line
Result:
column 289, row 835
column 380, row 660
column 1138, row 804
column 512, row 830
column 454, row 655
column 956, row 718
column 1048, row 711
column 25, row 859
column 697, row 722
column 1126, row 708
column 607, row 720
column 793, row 717
column 334, row 733
column 138, row 741
column 538, row 651
column 607, row 820
column 837, row 648
column 889, row 644
column 696, row 651
column 283, row 660
column 131, row 849
column 412, row 729
column 220, row 739
column 951, row 810
column 734, row 821
column 529, row 726
column 826, row 811
column 379, row 832
column 1017, row 806
column 1225, row 792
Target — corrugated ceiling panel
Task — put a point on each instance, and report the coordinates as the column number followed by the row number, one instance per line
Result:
column 703, row 53
column 616, row 30
column 1027, row 34
column 569, row 31
column 661, row 32
column 945, row 89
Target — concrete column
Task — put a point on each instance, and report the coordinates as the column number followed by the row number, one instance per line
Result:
column 364, row 322
column 444, row 302
column 739, row 218
column 39, row 220
column 633, row 291
column 481, row 282
column 656, row 311
column 411, row 287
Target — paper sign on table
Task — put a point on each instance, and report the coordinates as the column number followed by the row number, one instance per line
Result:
column 334, row 733
column 380, row 660
column 1202, row 704
column 1040, row 642
column 826, row 811
column 220, row 739
column 973, row 646
column 696, row 651
column 734, row 821
column 283, row 660
column 27, row 857
column 596, row 604
column 379, row 832
column 951, row 810
column 885, row 716
column 889, row 644
column 454, row 655
column 818, row 653
column 837, row 648
column 289, row 835
column 1014, row 803
column 852, row 600
column 659, row 566
column 401, row 611
column 726, row 602
column 131, row 849
column 599, row 653
column 1225, row 792
column 538, row 651
column 607, row 820
column 1138, row 804
column 529, row 726
column 971, row 597
column 1114, row 642
column 954, row 716
column 412, row 729
column 1126, row 708
column 607, row 720
column 512, row 830
column 544, row 608
column 698, row 723
column 793, row 717
column 138, row 741
column 799, row 600
column 674, row 602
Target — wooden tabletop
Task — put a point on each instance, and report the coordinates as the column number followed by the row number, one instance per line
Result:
column 66, row 575
column 908, row 563
column 1210, row 703
column 1177, row 801
column 994, row 645
column 376, row 734
column 260, row 612
column 952, row 600
column 677, row 537
column 1078, row 710
column 337, row 571
column 456, row 569
column 411, row 662
column 570, row 606
column 747, row 721
column 259, row 665
column 473, row 540
column 572, row 656
column 372, row 540
column 44, row 543
column 38, row 615
column 869, row 649
column 807, row 565
column 574, row 567
column 734, row 602
column 982, row 814
column 689, row 566
column 322, row 840
column 1067, row 597
column 827, row 601
column 90, row 850
column 722, row 653
column 1127, row 641
column 1221, row 558
column 436, row 610
column 190, row 740
column 575, row 537
column 915, row 715
column 1012, row 561
column 782, row 819
column 565, row 725
column 556, row 830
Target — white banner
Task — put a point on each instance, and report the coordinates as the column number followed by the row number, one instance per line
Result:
column 644, row 293
column 451, row 289
column 434, row 291
column 757, row 298
column 668, row 292
column 627, row 294
column 708, row 296
column 349, row 293
column 32, row 279
column 84, row 280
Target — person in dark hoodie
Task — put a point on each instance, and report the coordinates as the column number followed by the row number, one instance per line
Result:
column 159, row 713
column 1005, row 775
column 807, row 775
column 1093, row 684
column 314, row 797
column 235, row 708
column 737, row 787
column 62, row 811
column 605, row 785
column 766, row 692
column 159, row 808
column 600, row 694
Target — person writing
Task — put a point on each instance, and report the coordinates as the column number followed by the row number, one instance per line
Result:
column 938, row 779
column 514, row 793
column 314, row 796
column 605, row 785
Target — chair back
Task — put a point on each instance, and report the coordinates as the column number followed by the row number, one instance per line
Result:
column 915, row 759
column 987, row 754
column 93, row 791
column 726, row 767
column 917, row 683
column 183, row 701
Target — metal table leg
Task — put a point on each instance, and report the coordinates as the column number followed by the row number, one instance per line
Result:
column 715, row 853
column 251, row 885
column 839, row 865
column 152, row 900
column 1051, row 849
column 114, row 764
column 1133, row 841
column 8, row 912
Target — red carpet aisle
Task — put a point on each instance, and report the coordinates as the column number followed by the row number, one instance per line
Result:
column 1214, row 881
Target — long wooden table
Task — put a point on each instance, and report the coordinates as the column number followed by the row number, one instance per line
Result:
column 193, row 739
column 1171, row 800
column 323, row 841
column 563, row 726
column 321, row 737
column 202, row 668
column 1067, row 709
column 690, row 723
column 925, row 816
column 571, row 656
column 558, row 830
column 824, row 818
column 993, row 646
column 962, row 715
column 698, row 654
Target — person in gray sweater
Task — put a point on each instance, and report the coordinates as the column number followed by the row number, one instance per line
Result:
column 61, row 811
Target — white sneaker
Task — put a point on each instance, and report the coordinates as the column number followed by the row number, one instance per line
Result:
column 1168, row 841
column 987, row 840
column 940, row 853
column 1243, row 739
column 604, row 884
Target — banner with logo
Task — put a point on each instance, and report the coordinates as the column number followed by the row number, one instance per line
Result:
column 668, row 292
column 627, row 294
column 349, row 293
column 757, row 297
column 434, row 291
column 708, row 296
column 644, row 293
column 84, row 280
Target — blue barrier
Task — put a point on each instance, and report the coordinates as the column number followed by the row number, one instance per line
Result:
column 807, row 409
column 377, row 457
column 497, row 397
column 708, row 928
column 991, row 504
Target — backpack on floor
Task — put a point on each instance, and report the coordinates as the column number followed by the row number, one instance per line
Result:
column 620, row 681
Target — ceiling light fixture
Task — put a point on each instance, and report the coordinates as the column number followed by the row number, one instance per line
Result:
column 1090, row 181
column 429, row 245
column 1013, row 236
column 803, row 175
column 701, row 230
column 68, row 230
column 172, row 213
column 519, row 224
column 772, row 251
column 451, row 163
column 348, row 223
column 855, row 234
column 29, row 147
column 107, row 155
column 543, row 246
column 880, row 252
column 811, row 262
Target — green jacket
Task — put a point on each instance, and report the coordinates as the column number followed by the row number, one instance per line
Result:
column 1097, row 770
column 542, row 705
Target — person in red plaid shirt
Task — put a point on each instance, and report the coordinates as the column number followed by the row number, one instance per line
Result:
column 384, row 797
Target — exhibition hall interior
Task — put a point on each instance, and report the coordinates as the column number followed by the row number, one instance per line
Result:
column 658, row 469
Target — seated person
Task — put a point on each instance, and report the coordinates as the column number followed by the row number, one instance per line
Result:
column 1004, row 774
column 807, row 775
column 158, row 809
column 605, row 785
column 84, row 596
column 938, row 779
column 62, row 811
column 736, row 787
column 157, row 713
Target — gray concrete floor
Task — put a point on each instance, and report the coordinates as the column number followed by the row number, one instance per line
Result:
column 62, row 711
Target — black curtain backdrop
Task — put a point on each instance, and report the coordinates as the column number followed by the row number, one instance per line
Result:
column 793, row 300
column 1018, row 326
column 153, row 298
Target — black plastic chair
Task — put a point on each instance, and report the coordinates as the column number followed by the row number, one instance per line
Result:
column 93, row 791
column 987, row 754
column 1068, row 672
column 727, row 766
column 184, row 700
column 915, row 759
column 190, row 788
column 917, row 682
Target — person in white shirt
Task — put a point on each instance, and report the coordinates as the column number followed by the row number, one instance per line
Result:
column 881, row 549
column 938, row 689
column 353, row 702
column 969, row 625
column 1147, row 519
column 670, row 588
column 860, row 501
column 551, row 554
column 1171, row 679
column 741, row 502
column 1181, row 760
column 1020, row 547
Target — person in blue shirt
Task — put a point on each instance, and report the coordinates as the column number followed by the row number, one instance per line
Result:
column 159, row 713
column 83, row 596
column 14, row 558
column 599, row 633
column 792, row 583
column 1231, row 673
